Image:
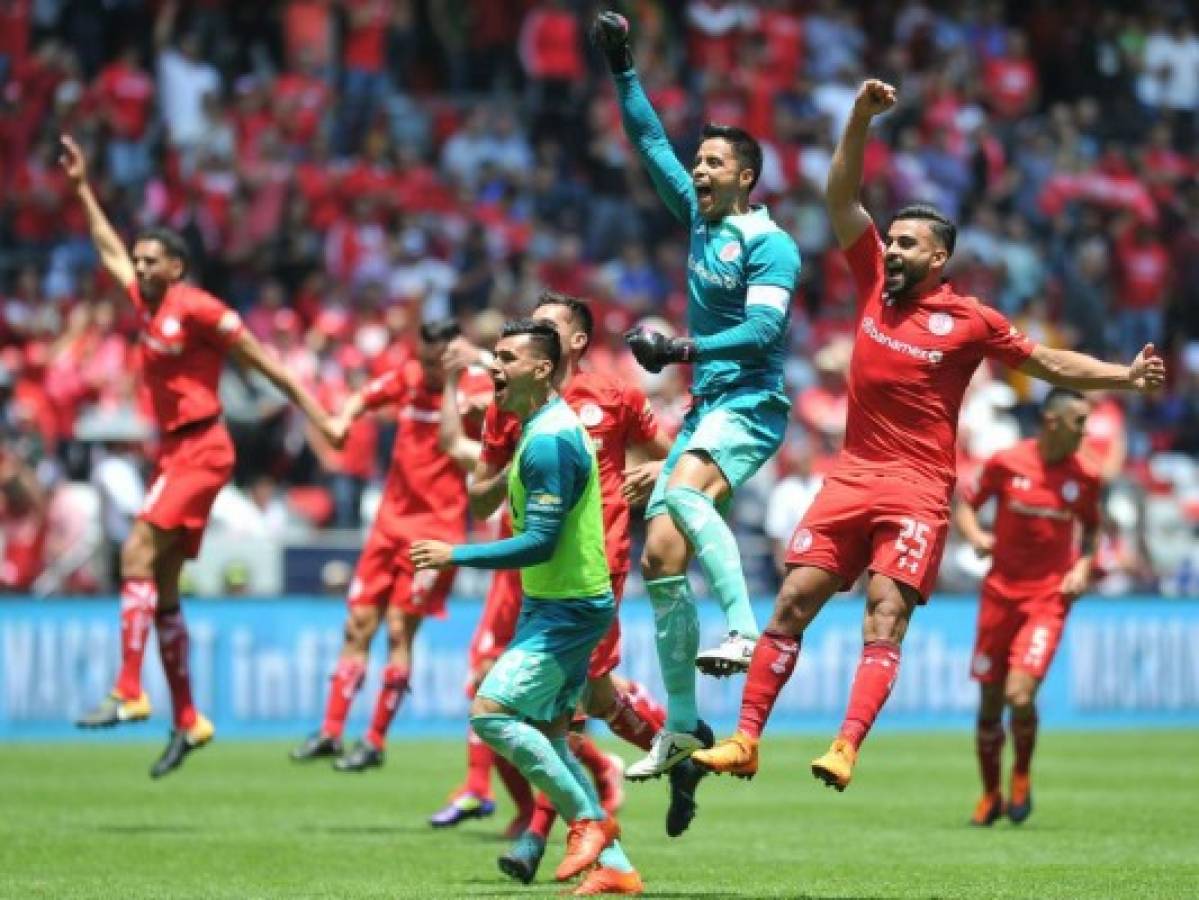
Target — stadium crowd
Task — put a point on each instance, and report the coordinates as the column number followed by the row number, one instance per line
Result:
column 344, row 169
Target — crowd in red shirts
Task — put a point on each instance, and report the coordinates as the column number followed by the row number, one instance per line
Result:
column 343, row 169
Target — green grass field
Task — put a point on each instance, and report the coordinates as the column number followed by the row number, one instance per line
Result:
column 1115, row 817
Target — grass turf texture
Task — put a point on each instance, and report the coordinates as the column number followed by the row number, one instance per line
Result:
column 1114, row 816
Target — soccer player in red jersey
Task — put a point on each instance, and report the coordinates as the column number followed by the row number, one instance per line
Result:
column 884, row 507
column 186, row 334
column 1043, row 488
column 425, row 494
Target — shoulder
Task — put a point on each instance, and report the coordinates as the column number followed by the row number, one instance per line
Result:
column 1086, row 468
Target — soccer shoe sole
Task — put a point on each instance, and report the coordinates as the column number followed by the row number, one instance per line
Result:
column 140, row 713
column 517, row 869
column 830, row 778
column 721, row 668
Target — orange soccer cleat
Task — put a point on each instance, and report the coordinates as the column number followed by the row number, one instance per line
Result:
column 586, row 840
column 835, row 768
column 736, row 755
column 1019, row 805
column 602, row 880
column 988, row 809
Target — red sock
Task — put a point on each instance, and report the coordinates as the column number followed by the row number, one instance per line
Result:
column 770, row 668
column 139, row 597
column 591, row 756
column 391, row 694
column 347, row 679
column 628, row 720
column 988, row 742
column 544, row 816
column 1024, row 739
column 872, row 685
column 516, row 785
column 646, row 705
column 479, row 760
column 173, row 649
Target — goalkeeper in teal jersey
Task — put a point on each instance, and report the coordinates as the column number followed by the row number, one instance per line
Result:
column 742, row 269
column 523, row 707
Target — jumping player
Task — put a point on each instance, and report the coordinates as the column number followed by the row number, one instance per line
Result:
column 1042, row 488
column 425, row 495
column 742, row 272
column 884, row 507
column 185, row 336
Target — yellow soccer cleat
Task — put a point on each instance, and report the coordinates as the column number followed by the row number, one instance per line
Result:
column 835, row 768
column 737, row 755
column 116, row 710
column 182, row 743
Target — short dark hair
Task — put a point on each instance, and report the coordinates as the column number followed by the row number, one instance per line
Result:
column 579, row 310
column 942, row 228
column 542, row 333
column 171, row 240
column 1058, row 397
column 439, row 331
column 745, row 147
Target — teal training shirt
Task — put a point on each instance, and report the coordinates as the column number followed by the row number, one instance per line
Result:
column 741, row 271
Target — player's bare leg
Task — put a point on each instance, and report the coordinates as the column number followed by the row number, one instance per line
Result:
column 369, row 752
column 696, row 486
column 889, row 607
column 988, row 742
column 1020, row 694
column 361, row 624
column 191, row 730
column 804, row 592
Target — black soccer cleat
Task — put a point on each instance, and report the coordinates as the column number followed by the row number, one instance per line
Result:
column 684, row 779
column 359, row 758
column 181, row 743
column 317, row 746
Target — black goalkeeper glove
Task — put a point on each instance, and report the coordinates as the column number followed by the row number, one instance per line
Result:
column 653, row 350
column 610, row 32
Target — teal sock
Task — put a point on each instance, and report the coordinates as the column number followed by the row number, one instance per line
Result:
column 534, row 757
column 676, row 627
column 612, row 856
column 716, row 549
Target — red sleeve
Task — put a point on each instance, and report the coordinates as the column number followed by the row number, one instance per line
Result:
column 500, row 435
column 865, row 258
column 985, row 485
column 135, row 297
column 384, row 389
column 476, row 386
column 642, row 422
column 216, row 323
column 1088, row 508
column 1001, row 339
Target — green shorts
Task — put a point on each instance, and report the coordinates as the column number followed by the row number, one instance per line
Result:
column 740, row 431
column 544, row 669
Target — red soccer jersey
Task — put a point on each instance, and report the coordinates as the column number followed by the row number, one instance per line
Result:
column 911, row 363
column 182, row 346
column 616, row 416
column 425, row 493
column 1037, row 505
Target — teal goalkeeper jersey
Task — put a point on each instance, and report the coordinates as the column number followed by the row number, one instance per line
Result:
column 742, row 268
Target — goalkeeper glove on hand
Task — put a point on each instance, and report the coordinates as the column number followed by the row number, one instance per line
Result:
column 653, row 350
column 610, row 32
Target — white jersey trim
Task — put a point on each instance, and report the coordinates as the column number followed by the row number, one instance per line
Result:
column 777, row 298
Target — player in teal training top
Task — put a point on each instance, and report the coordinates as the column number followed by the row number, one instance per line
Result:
column 523, row 707
column 742, row 271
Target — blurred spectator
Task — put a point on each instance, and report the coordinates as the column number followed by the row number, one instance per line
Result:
column 790, row 497
column 23, row 519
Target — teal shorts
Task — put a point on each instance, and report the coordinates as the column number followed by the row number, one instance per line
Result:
column 544, row 669
column 740, row 431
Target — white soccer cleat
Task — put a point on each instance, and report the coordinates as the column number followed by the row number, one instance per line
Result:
column 668, row 750
column 730, row 658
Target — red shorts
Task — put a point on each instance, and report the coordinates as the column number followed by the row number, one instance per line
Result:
column 497, row 623
column 196, row 461
column 385, row 577
column 606, row 655
column 1017, row 633
column 866, row 520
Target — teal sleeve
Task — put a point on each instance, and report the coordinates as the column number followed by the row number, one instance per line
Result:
column 772, row 259
column 535, row 545
column 763, row 326
column 641, row 124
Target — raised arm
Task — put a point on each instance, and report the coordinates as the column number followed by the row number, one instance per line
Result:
column 672, row 182
column 114, row 256
column 451, row 436
column 1066, row 368
column 845, row 211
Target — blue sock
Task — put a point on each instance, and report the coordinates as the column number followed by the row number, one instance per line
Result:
column 714, row 546
column 534, row 757
column 676, row 627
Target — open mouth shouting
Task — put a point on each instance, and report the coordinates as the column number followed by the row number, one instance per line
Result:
column 894, row 272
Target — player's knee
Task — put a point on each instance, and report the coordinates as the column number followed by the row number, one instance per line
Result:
column 137, row 555
column 888, row 609
column 665, row 554
column 1020, row 697
column 360, row 628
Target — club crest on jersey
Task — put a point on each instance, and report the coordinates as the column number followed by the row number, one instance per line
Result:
column 590, row 415
column 981, row 664
column 729, row 252
column 940, row 323
column 1070, row 491
column 170, row 327
column 802, row 542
